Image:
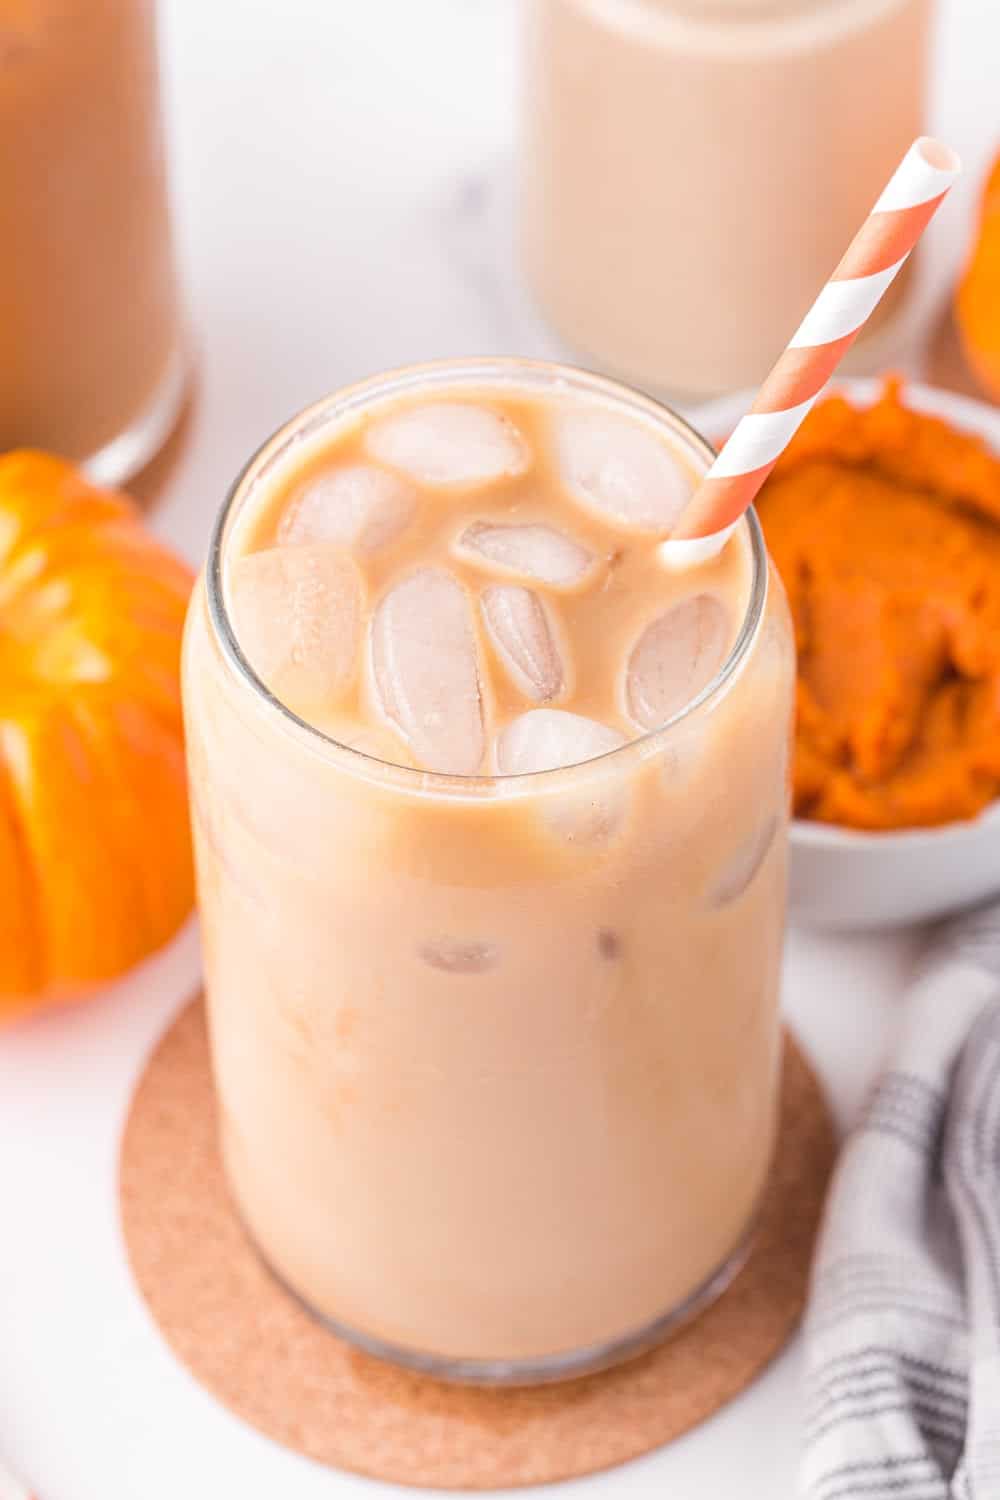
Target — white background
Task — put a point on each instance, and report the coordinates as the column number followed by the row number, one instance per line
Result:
column 343, row 192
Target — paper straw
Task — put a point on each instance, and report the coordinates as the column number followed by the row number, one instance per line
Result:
column 11, row 1488
column 872, row 261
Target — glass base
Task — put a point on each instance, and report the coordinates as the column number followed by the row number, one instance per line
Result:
column 546, row 1369
column 134, row 448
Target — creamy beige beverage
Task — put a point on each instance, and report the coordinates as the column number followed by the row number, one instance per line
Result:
column 490, row 807
column 694, row 169
column 91, row 362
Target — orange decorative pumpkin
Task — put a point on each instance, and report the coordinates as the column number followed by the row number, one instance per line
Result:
column 95, row 857
column 977, row 302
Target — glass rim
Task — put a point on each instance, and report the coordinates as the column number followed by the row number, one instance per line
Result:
column 438, row 374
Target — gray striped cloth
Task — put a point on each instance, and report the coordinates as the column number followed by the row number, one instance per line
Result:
column 903, row 1329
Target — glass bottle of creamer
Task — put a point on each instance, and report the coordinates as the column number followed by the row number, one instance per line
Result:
column 93, row 356
column 693, row 169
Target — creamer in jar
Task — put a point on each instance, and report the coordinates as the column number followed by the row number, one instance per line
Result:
column 693, row 169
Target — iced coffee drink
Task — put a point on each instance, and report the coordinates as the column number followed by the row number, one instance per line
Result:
column 93, row 366
column 490, row 802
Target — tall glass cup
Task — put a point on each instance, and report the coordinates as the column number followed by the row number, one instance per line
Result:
column 496, row 1101
column 92, row 363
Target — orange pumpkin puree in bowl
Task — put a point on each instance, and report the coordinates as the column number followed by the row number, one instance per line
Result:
column 885, row 527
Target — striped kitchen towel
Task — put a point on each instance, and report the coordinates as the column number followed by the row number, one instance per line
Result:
column 903, row 1328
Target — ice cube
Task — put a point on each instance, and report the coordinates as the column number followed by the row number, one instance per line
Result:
column 359, row 506
column 675, row 657
column 745, row 863
column 448, row 443
column 297, row 613
column 609, row 943
column 532, row 550
column 546, row 738
column 460, row 955
column 619, row 469
column 425, row 671
column 525, row 640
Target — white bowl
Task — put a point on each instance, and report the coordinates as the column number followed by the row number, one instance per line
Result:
column 843, row 879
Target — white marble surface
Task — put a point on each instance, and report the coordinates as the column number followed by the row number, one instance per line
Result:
column 343, row 202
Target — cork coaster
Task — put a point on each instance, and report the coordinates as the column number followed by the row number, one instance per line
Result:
column 254, row 1348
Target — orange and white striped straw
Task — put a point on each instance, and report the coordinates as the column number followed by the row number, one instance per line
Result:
column 872, row 260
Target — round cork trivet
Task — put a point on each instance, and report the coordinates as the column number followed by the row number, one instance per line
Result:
column 256, row 1349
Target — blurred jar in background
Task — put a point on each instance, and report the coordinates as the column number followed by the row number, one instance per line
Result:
column 694, row 169
column 92, row 364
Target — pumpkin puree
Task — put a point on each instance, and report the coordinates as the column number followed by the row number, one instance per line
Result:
column 885, row 527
